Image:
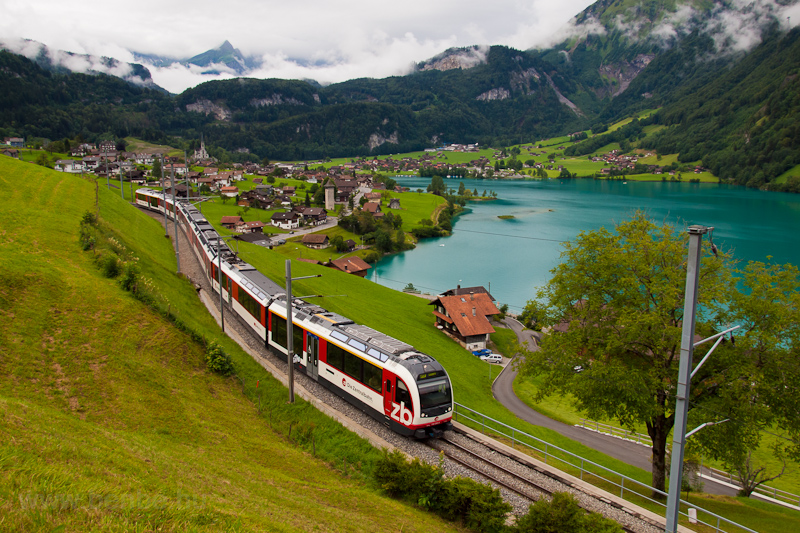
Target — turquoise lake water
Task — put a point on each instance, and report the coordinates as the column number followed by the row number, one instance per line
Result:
column 515, row 256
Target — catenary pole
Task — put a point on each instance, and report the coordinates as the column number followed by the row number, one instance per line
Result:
column 219, row 280
column 175, row 222
column 289, row 330
column 684, row 377
column 164, row 198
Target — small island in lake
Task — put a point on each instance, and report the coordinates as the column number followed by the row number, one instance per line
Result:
column 505, row 217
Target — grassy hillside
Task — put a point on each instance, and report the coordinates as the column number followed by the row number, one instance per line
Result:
column 109, row 419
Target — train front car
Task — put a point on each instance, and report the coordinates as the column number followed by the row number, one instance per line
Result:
column 421, row 402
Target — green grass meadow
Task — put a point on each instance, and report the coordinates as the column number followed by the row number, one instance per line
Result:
column 109, row 419
column 103, row 395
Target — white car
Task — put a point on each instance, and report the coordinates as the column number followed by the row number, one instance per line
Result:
column 492, row 358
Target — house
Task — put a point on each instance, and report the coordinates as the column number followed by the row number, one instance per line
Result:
column 394, row 203
column 255, row 226
column 351, row 265
column 256, row 238
column 374, row 208
column 318, row 241
column 69, row 165
column 463, row 315
column 230, row 192
column 231, row 222
column 289, row 220
column 373, row 197
column 15, row 142
column 314, row 216
column 11, row 153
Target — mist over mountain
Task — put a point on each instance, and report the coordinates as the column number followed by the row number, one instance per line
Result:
column 694, row 61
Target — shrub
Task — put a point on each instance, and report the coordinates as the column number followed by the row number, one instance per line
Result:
column 130, row 275
column 109, row 266
column 563, row 515
column 217, row 360
column 372, row 257
column 478, row 506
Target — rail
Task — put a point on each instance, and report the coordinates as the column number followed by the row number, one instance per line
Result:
column 620, row 433
column 594, row 473
column 780, row 496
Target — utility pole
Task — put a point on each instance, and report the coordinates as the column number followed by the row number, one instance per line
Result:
column 175, row 222
column 684, row 377
column 121, row 190
column 219, row 280
column 289, row 326
column 164, row 196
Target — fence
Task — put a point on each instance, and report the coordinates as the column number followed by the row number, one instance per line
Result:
column 763, row 490
column 599, row 475
column 776, row 494
column 639, row 438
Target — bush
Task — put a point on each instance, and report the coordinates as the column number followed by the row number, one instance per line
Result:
column 372, row 257
column 477, row 506
column 130, row 275
column 109, row 266
column 480, row 507
column 217, row 360
column 563, row 515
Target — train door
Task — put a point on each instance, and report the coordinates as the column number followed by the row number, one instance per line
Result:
column 312, row 356
column 388, row 394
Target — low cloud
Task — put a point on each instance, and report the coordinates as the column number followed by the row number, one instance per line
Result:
column 572, row 30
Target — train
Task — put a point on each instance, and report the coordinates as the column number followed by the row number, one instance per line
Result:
column 397, row 385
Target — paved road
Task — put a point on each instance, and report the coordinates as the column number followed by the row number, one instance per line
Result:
column 628, row 452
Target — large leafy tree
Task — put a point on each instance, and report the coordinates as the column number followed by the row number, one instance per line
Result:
column 615, row 309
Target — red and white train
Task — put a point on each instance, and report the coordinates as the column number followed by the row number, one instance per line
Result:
column 391, row 381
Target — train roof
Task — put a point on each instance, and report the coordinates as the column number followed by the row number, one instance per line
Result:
column 375, row 344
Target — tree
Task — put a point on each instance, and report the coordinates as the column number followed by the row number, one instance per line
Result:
column 437, row 186
column 619, row 298
column 156, row 172
column 462, row 189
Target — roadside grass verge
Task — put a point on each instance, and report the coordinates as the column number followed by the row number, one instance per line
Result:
column 109, row 419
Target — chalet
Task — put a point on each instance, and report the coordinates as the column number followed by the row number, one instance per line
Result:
column 255, row 226
column 315, row 216
column 373, row 197
column 351, row 265
column 230, row 192
column 374, row 208
column 91, row 162
column 69, row 165
column 463, row 315
column 256, row 238
column 318, row 241
column 15, row 142
column 288, row 191
column 394, row 203
column 231, row 222
column 11, row 153
column 178, row 168
column 289, row 220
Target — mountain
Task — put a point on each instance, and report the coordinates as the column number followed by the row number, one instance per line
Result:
column 225, row 55
column 721, row 76
column 67, row 62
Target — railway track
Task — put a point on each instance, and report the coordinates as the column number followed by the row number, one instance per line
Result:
column 521, row 484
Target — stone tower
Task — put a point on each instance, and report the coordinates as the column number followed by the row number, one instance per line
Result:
column 330, row 201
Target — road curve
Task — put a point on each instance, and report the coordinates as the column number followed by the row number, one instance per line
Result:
column 626, row 451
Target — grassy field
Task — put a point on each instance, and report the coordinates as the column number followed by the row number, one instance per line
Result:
column 561, row 408
column 109, row 419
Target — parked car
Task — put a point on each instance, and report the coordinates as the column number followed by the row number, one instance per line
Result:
column 492, row 358
column 482, row 351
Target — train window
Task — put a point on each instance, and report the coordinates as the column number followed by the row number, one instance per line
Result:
column 340, row 336
column 389, row 385
column 434, row 392
column 279, row 333
column 278, row 330
column 355, row 344
column 249, row 303
column 372, row 377
column 401, row 393
column 335, row 356
column 353, row 366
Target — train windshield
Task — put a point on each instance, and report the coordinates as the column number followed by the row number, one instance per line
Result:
column 435, row 392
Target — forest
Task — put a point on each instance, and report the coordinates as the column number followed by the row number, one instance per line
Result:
column 734, row 115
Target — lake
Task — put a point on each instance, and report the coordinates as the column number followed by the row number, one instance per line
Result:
column 513, row 257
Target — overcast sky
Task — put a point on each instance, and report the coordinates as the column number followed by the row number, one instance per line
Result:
column 318, row 39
